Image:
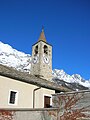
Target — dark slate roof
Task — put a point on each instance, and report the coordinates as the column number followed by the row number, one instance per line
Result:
column 28, row 78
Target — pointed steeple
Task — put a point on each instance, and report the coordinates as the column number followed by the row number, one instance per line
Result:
column 42, row 36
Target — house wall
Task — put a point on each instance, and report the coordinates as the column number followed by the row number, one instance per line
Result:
column 24, row 94
column 40, row 96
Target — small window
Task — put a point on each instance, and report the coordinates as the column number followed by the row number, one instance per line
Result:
column 36, row 50
column 47, row 101
column 13, row 97
column 45, row 49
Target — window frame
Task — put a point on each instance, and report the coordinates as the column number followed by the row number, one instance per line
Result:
column 16, row 97
column 36, row 50
column 45, row 49
column 48, row 95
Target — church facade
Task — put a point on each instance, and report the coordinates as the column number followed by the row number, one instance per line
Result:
column 34, row 90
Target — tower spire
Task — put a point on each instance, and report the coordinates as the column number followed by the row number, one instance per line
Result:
column 42, row 35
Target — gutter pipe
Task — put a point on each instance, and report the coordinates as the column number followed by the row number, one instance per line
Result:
column 34, row 95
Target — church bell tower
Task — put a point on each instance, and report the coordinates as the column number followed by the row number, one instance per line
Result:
column 42, row 58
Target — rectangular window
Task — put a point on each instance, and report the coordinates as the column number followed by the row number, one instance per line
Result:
column 13, row 97
column 46, row 101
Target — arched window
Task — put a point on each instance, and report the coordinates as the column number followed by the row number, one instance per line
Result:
column 36, row 50
column 45, row 49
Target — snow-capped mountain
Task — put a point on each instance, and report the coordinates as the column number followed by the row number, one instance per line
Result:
column 21, row 61
column 75, row 78
column 13, row 58
column 74, row 81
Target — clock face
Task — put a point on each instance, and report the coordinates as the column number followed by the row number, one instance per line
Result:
column 35, row 59
column 46, row 59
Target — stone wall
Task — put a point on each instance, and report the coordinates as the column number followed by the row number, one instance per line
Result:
column 28, row 114
column 73, row 105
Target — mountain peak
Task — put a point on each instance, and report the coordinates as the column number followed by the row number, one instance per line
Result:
column 13, row 58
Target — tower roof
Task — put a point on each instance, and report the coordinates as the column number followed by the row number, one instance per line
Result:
column 42, row 36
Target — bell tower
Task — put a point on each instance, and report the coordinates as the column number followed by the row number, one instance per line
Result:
column 42, row 58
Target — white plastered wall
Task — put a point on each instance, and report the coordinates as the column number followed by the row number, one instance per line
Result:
column 25, row 94
column 39, row 97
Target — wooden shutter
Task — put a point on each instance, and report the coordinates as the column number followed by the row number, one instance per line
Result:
column 46, row 101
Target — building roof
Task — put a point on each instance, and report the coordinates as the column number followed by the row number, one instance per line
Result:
column 30, row 79
column 42, row 36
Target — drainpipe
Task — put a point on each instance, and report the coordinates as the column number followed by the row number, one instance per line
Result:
column 34, row 95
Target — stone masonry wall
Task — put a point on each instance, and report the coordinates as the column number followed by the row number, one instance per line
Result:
column 28, row 114
column 73, row 105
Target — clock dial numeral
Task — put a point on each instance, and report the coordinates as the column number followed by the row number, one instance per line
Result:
column 46, row 59
column 35, row 59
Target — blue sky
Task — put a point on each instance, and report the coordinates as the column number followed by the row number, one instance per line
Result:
column 66, row 25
